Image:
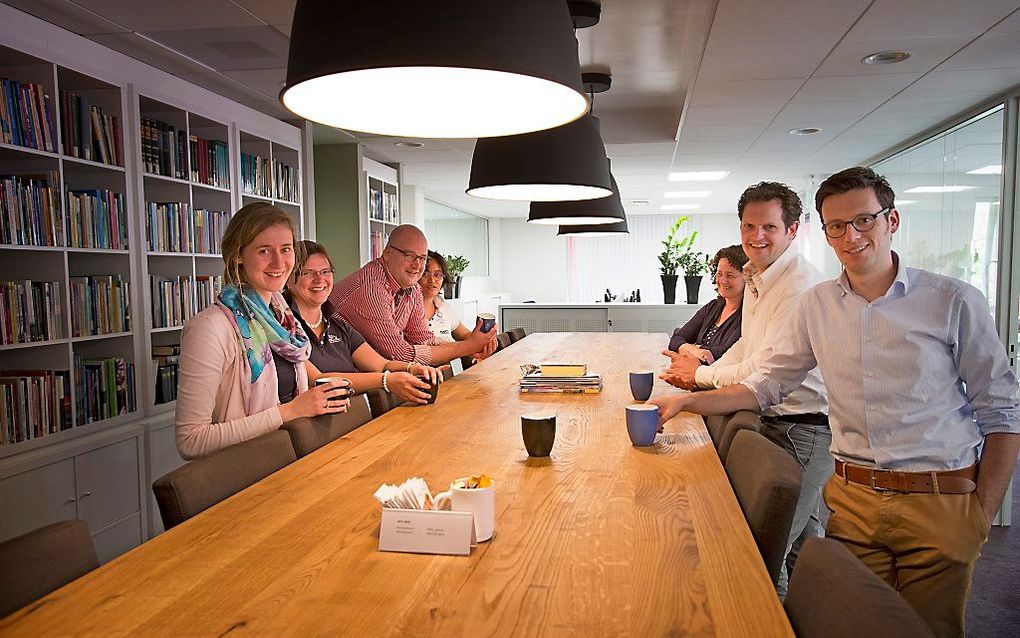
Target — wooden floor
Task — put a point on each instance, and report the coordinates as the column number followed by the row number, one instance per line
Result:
column 602, row 538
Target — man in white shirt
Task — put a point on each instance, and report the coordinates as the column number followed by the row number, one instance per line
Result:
column 777, row 275
column 925, row 416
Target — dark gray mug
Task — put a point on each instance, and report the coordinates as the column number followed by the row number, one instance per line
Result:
column 539, row 431
column 433, row 391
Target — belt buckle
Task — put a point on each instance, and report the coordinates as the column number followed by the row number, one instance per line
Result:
column 878, row 488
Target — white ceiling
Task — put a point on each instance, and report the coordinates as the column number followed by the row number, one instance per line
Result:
column 697, row 85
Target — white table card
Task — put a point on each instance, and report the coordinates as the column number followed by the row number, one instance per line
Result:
column 426, row 531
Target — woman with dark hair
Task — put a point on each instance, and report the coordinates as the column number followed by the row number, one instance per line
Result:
column 338, row 347
column 716, row 326
column 443, row 321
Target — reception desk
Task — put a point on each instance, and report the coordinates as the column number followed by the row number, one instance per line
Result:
column 597, row 317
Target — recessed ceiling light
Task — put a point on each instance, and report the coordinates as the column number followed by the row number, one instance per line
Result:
column 938, row 189
column 698, row 176
column 680, row 206
column 887, row 57
column 679, row 194
column 991, row 169
column 408, row 144
column 808, row 130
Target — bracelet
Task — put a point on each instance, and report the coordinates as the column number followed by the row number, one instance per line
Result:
column 385, row 386
column 409, row 364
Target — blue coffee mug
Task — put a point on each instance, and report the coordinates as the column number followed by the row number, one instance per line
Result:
column 642, row 423
column 641, row 385
column 488, row 321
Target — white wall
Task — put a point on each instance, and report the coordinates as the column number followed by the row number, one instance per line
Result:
column 532, row 260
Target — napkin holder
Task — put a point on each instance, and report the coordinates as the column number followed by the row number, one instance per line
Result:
column 427, row 531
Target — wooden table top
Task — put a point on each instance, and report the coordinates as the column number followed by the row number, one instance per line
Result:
column 602, row 538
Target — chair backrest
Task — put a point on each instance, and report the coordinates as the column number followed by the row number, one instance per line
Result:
column 448, row 372
column 734, row 423
column 715, row 424
column 380, row 402
column 198, row 485
column 503, row 339
column 466, row 362
column 517, row 334
column 832, row 594
column 766, row 480
column 44, row 560
column 309, row 434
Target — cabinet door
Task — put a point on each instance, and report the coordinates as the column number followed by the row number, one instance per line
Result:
column 107, row 480
column 36, row 498
column 117, row 539
column 163, row 458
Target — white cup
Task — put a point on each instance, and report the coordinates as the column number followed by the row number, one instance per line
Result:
column 480, row 501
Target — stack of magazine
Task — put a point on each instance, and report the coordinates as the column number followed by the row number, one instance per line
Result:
column 563, row 378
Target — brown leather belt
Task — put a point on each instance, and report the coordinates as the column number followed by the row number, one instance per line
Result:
column 962, row 481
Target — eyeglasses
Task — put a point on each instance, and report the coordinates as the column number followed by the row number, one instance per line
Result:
column 310, row 274
column 727, row 276
column 863, row 223
column 436, row 274
column 409, row 256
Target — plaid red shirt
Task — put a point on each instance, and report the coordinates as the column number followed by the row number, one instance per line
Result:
column 391, row 318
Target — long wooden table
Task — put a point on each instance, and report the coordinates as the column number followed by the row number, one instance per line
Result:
column 602, row 538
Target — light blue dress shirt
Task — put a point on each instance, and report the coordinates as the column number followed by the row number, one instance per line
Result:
column 915, row 379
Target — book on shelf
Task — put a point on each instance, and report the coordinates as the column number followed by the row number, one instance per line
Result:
column 377, row 242
column 285, row 180
column 169, row 227
column 256, row 175
column 30, row 210
column 207, row 288
column 97, row 219
column 209, row 228
column 563, row 369
column 89, row 132
column 100, row 304
column 167, row 360
column 26, row 116
column 106, row 388
column 31, row 311
column 35, row 403
column 210, row 162
column 163, row 149
column 172, row 300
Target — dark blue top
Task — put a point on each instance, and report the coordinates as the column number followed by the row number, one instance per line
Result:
column 699, row 330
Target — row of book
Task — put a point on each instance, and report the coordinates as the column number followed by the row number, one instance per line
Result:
column 167, row 360
column 105, row 388
column 210, row 162
column 97, row 219
column 174, row 227
column 100, row 304
column 377, row 243
column 255, row 175
column 207, row 288
column 31, row 311
column 285, row 179
column 33, row 404
column 26, row 116
column 172, row 300
column 30, row 210
column 89, row 132
column 163, row 149
column 383, row 206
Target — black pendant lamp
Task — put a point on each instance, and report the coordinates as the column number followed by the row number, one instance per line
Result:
column 567, row 163
column 450, row 69
column 594, row 230
column 604, row 211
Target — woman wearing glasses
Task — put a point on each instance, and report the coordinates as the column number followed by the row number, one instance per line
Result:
column 443, row 320
column 716, row 326
column 335, row 345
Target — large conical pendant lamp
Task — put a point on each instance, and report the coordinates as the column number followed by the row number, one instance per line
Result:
column 450, row 69
column 607, row 210
column 594, row 230
column 567, row 163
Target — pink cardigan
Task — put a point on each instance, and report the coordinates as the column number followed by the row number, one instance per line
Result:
column 210, row 408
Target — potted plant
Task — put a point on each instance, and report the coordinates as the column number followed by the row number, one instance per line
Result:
column 694, row 264
column 456, row 264
column 673, row 248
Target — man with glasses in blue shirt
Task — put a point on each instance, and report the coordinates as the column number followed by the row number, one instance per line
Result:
column 923, row 403
column 382, row 300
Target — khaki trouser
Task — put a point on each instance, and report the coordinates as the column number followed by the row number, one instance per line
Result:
column 924, row 545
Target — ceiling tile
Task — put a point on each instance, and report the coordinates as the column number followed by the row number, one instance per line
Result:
column 168, row 16
column 853, row 88
column 791, row 143
column 731, row 115
column 269, row 82
column 846, row 58
column 68, row 15
column 743, row 93
column 762, row 62
column 811, row 113
column 140, row 48
column 977, row 83
column 230, row 49
column 270, row 11
column 283, row 28
column 900, row 124
column 1009, row 25
column 753, row 22
column 924, row 18
column 719, row 133
column 713, row 148
column 1001, row 51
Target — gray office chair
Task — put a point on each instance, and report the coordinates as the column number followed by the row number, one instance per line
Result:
column 834, row 595
column 309, row 434
column 380, row 402
column 766, row 481
column 43, row 560
column 503, row 341
column 734, row 423
column 517, row 334
column 198, row 485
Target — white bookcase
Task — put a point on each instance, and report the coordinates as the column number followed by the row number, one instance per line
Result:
column 380, row 207
column 102, row 471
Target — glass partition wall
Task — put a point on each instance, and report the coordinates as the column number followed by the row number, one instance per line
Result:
column 452, row 231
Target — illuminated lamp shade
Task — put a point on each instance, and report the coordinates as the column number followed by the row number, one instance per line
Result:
column 607, row 210
column 566, row 163
column 450, row 69
column 594, row 230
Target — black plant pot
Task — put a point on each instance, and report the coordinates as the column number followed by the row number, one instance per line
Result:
column 668, row 288
column 449, row 290
column 456, row 289
column 693, row 285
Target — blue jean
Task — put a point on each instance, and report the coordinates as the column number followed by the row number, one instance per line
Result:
column 809, row 446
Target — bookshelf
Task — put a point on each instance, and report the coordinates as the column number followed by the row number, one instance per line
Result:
column 382, row 206
column 92, row 231
column 270, row 172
